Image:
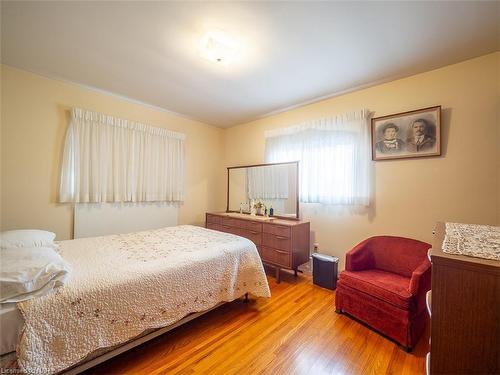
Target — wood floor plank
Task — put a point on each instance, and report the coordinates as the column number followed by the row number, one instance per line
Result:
column 296, row 331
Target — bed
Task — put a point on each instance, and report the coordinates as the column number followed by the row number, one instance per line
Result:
column 11, row 322
column 128, row 288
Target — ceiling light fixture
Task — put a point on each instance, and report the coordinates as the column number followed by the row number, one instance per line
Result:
column 218, row 47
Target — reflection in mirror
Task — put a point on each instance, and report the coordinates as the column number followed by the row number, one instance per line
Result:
column 274, row 185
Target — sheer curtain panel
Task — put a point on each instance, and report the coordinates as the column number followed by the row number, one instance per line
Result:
column 268, row 182
column 334, row 155
column 107, row 159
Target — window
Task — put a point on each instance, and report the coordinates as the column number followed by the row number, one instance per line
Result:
column 107, row 159
column 334, row 157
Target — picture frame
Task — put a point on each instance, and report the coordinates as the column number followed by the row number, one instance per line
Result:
column 411, row 134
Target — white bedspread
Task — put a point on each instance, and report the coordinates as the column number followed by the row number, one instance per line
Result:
column 125, row 284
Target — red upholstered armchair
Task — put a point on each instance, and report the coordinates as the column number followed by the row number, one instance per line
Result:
column 384, row 285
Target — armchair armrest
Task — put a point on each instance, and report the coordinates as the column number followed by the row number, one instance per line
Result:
column 420, row 281
column 359, row 258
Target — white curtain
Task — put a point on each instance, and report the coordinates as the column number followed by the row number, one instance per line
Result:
column 268, row 182
column 107, row 159
column 334, row 155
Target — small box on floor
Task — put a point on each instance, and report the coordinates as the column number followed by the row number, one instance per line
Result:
column 325, row 270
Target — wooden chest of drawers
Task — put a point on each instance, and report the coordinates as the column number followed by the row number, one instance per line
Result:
column 465, row 321
column 281, row 243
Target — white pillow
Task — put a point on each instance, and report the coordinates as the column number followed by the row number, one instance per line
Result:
column 29, row 272
column 26, row 238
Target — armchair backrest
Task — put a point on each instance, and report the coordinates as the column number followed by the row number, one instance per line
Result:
column 397, row 254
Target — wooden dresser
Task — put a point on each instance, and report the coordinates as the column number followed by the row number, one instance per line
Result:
column 465, row 312
column 281, row 243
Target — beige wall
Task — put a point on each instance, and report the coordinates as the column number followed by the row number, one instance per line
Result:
column 35, row 113
column 410, row 195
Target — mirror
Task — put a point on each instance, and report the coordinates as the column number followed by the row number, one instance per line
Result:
column 273, row 185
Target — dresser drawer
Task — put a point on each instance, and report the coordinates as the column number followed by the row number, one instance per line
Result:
column 231, row 222
column 214, row 219
column 254, row 236
column 228, row 229
column 259, row 249
column 274, row 256
column 276, row 229
column 253, row 226
column 278, row 242
column 214, row 226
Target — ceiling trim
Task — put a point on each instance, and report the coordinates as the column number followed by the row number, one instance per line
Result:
column 113, row 95
column 355, row 88
column 259, row 117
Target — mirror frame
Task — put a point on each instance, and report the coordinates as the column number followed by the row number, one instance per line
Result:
column 263, row 165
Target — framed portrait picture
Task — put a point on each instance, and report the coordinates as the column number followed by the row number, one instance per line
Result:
column 410, row 134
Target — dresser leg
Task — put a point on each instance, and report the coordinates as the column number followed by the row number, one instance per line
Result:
column 277, row 275
column 295, row 272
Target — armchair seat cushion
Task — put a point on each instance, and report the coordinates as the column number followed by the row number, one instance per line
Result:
column 388, row 287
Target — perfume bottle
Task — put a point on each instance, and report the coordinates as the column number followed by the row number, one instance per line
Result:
column 271, row 211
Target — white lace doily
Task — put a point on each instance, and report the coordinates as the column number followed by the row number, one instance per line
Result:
column 480, row 241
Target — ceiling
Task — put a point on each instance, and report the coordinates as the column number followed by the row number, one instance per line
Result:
column 290, row 52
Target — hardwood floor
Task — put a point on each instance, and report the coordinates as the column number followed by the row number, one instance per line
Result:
column 296, row 331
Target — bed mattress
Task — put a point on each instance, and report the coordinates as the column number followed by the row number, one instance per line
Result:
column 124, row 285
column 11, row 323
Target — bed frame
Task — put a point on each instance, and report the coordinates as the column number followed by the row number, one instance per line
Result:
column 138, row 341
